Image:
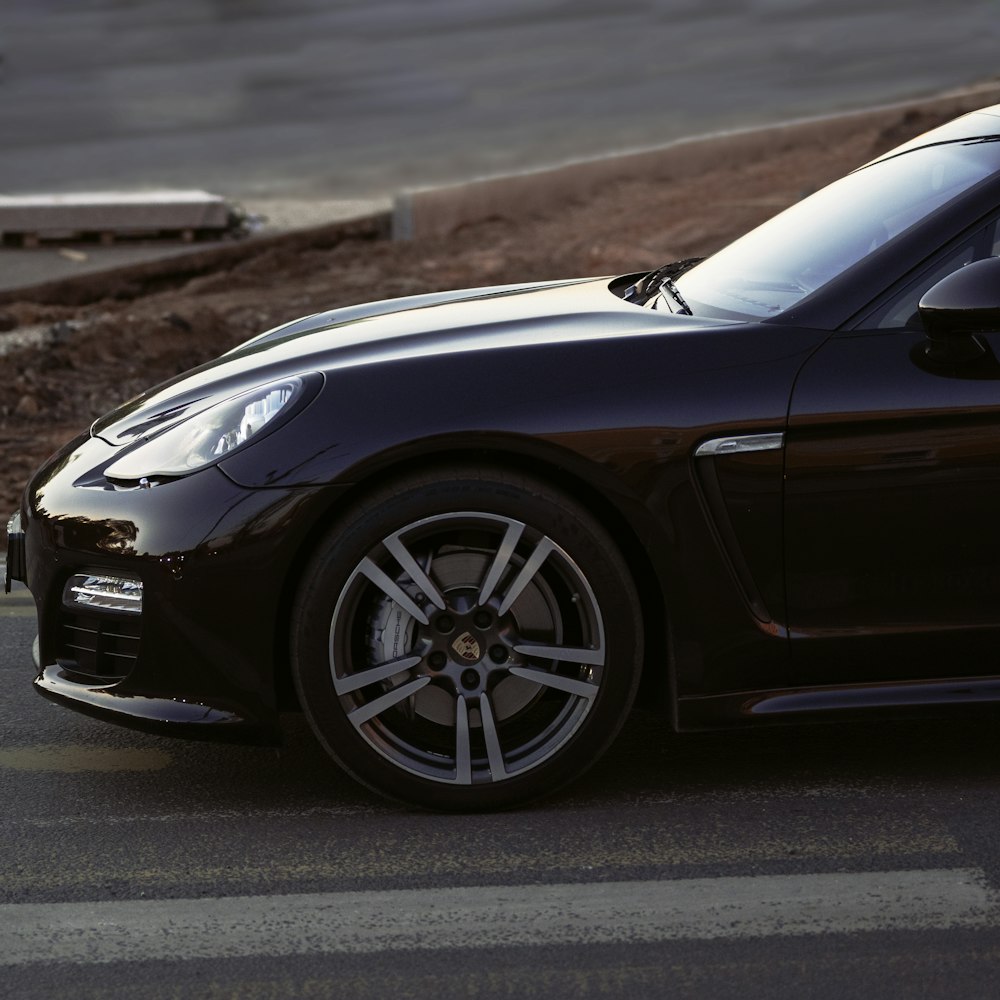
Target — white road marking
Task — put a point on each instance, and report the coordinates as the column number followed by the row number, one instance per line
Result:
column 455, row 918
column 15, row 607
column 73, row 759
column 202, row 816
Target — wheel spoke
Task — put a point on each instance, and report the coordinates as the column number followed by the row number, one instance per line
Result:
column 501, row 560
column 416, row 572
column 571, row 685
column 564, row 654
column 391, row 589
column 498, row 769
column 352, row 682
column 528, row 570
column 370, row 709
column 463, row 743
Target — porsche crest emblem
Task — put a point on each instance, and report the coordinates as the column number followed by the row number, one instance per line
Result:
column 467, row 648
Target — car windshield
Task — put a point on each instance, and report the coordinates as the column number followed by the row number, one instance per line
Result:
column 775, row 265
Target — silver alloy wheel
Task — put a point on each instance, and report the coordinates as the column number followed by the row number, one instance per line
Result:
column 466, row 648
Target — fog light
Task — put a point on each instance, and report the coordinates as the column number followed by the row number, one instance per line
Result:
column 109, row 593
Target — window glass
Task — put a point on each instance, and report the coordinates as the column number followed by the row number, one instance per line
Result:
column 779, row 263
column 901, row 310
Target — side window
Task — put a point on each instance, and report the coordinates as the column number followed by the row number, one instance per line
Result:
column 901, row 310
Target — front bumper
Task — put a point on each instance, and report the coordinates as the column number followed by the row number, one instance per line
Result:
column 203, row 658
column 165, row 716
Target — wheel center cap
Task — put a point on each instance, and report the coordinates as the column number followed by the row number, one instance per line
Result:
column 467, row 648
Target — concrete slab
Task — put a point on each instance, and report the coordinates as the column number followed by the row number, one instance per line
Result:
column 24, row 269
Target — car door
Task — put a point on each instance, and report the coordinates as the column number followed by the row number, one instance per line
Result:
column 892, row 500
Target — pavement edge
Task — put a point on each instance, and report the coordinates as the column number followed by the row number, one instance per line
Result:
column 439, row 211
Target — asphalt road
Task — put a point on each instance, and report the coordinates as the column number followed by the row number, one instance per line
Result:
column 855, row 860
column 308, row 98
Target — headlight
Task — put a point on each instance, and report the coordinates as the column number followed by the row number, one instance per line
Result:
column 211, row 435
column 109, row 593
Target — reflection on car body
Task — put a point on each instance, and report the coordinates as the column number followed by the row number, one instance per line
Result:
column 458, row 529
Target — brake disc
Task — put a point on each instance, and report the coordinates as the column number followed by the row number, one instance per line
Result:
column 394, row 632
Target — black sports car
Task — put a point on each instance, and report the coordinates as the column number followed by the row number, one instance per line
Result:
column 460, row 529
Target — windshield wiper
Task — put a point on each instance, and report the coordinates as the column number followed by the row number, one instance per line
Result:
column 662, row 278
column 667, row 285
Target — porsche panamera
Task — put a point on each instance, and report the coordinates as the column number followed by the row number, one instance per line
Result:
column 463, row 531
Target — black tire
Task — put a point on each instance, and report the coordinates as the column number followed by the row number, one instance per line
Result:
column 423, row 630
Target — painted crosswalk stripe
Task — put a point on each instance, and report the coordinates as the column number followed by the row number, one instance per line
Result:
column 456, row 918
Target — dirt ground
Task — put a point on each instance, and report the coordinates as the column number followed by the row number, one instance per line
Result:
column 133, row 336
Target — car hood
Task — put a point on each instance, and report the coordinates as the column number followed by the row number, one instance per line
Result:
column 494, row 318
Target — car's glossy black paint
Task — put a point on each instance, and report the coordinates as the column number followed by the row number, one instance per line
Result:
column 209, row 554
column 631, row 451
column 852, row 566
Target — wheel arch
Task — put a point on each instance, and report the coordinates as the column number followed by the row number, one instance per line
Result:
column 593, row 485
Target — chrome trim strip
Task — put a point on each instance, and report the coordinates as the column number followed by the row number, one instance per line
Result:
column 740, row 444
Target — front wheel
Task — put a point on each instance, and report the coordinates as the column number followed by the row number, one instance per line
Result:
column 469, row 640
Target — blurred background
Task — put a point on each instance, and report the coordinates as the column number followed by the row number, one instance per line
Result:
column 341, row 99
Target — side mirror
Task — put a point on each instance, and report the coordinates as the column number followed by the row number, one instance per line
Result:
column 960, row 305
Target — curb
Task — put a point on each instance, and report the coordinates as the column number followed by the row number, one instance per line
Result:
column 128, row 281
column 439, row 211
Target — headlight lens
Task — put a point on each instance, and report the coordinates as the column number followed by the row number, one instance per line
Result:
column 211, row 435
